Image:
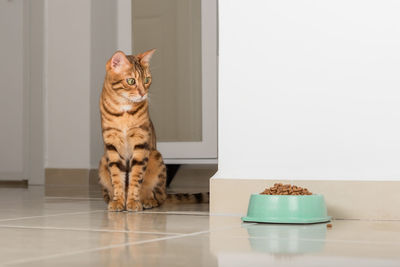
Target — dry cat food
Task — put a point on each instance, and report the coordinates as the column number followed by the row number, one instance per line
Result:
column 285, row 189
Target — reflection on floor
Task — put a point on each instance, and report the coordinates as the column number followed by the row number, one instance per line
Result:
column 74, row 229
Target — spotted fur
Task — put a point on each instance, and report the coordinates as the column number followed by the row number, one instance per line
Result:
column 131, row 171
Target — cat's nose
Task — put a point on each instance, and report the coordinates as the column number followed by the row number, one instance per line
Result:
column 141, row 93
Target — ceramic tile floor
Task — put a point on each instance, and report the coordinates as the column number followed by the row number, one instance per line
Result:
column 38, row 230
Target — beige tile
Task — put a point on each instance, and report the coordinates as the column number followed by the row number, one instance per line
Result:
column 379, row 232
column 266, row 259
column 238, row 246
column 385, row 232
column 345, row 239
column 125, row 221
column 18, row 245
column 187, row 251
column 182, row 208
column 74, row 230
column 20, row 202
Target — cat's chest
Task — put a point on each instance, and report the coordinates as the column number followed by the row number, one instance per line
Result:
column 126, row 108
column 126, row 123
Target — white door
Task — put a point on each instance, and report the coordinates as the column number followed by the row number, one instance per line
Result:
column 13, row 130
column 183, row 95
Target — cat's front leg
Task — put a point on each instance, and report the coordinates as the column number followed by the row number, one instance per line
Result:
column 138, row 165
column 117, row 170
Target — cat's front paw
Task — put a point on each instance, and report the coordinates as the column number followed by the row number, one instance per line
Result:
column 133, row 205
column 116, row 205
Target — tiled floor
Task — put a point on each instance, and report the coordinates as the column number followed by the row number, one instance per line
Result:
column 38, row 230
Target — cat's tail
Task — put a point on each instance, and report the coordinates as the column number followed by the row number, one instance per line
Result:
column 188, row 198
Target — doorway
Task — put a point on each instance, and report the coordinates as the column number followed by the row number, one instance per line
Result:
column 183, row 96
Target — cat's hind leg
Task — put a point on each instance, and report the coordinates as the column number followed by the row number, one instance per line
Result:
column 153, row 192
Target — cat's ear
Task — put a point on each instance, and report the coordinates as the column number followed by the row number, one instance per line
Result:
column 145, row 57
column 118, row 62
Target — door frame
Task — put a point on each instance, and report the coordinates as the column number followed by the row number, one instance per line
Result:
column 34, row 94
column 204, row 151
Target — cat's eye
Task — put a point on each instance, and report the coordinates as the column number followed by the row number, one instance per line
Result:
column 130, row 81
column 146, row 80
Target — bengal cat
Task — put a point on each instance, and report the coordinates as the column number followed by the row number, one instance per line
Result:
column 132, row 172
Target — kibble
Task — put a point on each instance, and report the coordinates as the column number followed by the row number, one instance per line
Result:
column 285, row 189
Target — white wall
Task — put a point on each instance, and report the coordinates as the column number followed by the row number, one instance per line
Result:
column 309, row 89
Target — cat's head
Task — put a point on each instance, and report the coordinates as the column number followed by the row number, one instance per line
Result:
column 129, row 75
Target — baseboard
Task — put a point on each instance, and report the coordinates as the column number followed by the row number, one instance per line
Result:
column 14, row 184
column 367, row 200
column 93, row 177
column 71, row 177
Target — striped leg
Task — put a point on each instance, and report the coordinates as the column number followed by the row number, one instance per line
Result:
column 138, row 167
column 117, row 170
column 153, row 191
column 105, row 180
column 139, row 141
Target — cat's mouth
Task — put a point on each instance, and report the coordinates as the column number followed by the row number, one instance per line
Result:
column 136, row 98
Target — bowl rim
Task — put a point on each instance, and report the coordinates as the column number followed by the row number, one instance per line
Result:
column 259, row 194
column 292, row 220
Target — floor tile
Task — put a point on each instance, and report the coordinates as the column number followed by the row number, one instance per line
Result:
column 21, row 202
column 302, row 239
column 182, row 208
column 382, row 232
column 365, row 231
column 18, row 245
column 74, row 229
column 184, row 251
column 125, row 221
column 222, row 247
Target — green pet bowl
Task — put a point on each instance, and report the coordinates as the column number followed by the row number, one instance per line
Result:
column 298, row 209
